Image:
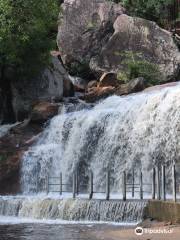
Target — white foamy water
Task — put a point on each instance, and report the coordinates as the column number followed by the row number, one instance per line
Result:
column 71, row 210
column 120, row 133
column 4, row 129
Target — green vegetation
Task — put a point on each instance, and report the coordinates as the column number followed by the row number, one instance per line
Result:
column 3, row 157
column 156, row 10
column 27, row 33
column 136, row 66
column 80, row 69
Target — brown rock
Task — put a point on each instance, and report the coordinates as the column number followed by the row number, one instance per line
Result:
column 108, row 79
column 44, row 111
column 92, row 84
column 135, row 85
column 98, row 93
column 12, row 147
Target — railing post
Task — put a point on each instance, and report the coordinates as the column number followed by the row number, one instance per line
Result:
column 174, row 182
column 153, row 183
column 77, row 182
column 47, row 184
column 141, row 185
column 124, row 186
column 91, row 185
column 107, row 185
column 158, row 184
column 60, row 182
column 133, row 183
column 74, row 185
column 163, row 183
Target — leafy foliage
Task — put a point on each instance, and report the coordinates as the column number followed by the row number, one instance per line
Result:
column 156, row 10
column 27, row 32
column 137, row 67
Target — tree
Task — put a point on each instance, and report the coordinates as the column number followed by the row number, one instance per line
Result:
column 156, row 10
column 27, row 34
column 26, row 31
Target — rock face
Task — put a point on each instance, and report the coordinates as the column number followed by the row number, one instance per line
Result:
column 12, row 147
column 85, row 27
column 98, row 33
column 48, row 86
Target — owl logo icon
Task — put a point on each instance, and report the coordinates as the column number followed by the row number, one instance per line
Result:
column 139, row 231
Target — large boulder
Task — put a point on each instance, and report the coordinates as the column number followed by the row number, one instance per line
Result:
column 84, row 28
column 48, row 86
column 143, row 38
column 99, row 34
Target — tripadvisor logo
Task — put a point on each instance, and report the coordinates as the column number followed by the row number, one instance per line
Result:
column 139, row 231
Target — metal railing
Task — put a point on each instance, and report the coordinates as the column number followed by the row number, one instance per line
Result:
column 132, row 186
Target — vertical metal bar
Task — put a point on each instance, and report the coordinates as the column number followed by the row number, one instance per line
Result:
column 163, row 183
column 47, row 184
column 74, row 185
column 174, row 182
column 153, row 183
column 77, row 182
column 60, row 182
column 124, row 186
column 133, row 183
column 158, row 184
column 107, row 185
column 141, row 185
column 91, row 185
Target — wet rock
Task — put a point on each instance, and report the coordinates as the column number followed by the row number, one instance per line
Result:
column 92, row 84
column 12, row 147
column 98, row 93
column 108, row 79
column 135, row 85
column 44, row 111
column 78, row 83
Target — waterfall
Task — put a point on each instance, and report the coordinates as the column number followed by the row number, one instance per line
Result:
column 119, row 133
column 73, row 210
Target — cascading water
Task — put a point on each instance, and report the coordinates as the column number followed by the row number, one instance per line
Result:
column 73, row 210
column 120, row 133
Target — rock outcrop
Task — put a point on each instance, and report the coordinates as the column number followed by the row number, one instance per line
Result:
column 84, row 28
column 45, row 87
column 50, row 85
column 98, row 33
column 96, row 93
column 12, row 147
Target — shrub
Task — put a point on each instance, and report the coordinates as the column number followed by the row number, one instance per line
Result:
column 137, row 67
column 156, row 10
